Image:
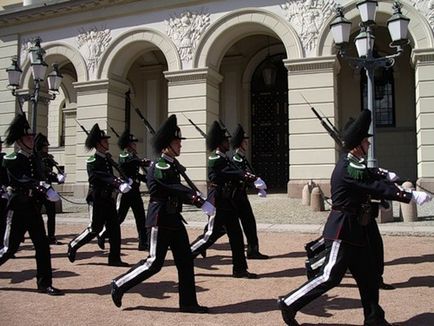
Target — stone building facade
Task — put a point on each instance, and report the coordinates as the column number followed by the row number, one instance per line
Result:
column 207, row 60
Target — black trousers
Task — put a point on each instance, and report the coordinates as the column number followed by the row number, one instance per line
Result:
column 223, row 219
column 133, row 200
column 340, row 257
column 24, row 218
column 50, row 210
column 3, row 221
column 160, row 240
column 377, row 248
column 247, row 218
column 102, row 212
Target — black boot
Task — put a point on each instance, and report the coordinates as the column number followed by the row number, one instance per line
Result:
column 116, row 295
column 288, row 314
column 253, row 253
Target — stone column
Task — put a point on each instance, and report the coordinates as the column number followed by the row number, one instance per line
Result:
column 423, row 61
column 70, row 147
column 195, row 94
column 8, row 49
column 102, row 102
column 312, row 152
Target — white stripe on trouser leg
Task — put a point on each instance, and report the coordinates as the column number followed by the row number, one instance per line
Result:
column 317, row 280
column 148, row 263
column 7, row 233
column 118, row 201
column 88, row 229
column 206, row 236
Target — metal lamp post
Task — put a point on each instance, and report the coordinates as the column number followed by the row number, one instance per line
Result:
column 398, row 28
column 39, row 68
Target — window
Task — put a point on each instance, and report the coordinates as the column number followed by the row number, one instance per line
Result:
column 384, row 103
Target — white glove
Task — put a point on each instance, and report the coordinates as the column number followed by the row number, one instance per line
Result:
column 61, row 178
column 262, row 193
column 420, row 197
column 52, row 195
column 392, row 176
column 130, row 181
column 124, row 187
column 208, row 208
column 260, row 184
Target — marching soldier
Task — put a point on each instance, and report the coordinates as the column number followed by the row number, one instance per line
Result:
column 25, row 193
column 345, row 232
column 130, row 164
column 49, row 176
column 165, row 221
column 3, row 195
column 102, row 184
column 224, row 179
column 245, row 212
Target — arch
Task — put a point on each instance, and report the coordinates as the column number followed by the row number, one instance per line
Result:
column 129, row 43
column 66, row 53
column 420, row 33
column 232, row 27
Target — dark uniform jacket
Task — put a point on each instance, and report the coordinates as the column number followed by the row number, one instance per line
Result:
column 102, row 181
column 240, row 161
column 167, row 194
column 225, row 178
column 48, row 164
column 130, row 165
column 24, row 172
column 352, row 186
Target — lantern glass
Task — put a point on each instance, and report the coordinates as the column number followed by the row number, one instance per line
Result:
column 14, row 74
column 398, row 28
column 38, row 70
column 364, row 43
column 368, row 10
column 54, row 79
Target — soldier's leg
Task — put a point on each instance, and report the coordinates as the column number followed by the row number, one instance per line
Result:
column 212, row 233
column 180, row 247
column 140, row 217
column 42, row 248
column 50, row 208
column 3, row 220
column 236, row 241
column 159, row 243
column 376, row 248
column 333, row 270
column 366, row 276
column 13, row 235
column 108, row 208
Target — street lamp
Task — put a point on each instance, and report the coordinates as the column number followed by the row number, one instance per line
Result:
column 39, row 69
column 398, row 27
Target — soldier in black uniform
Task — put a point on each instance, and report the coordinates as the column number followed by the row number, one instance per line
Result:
column 345, row 235
column 25, row 193
column 3, row 195
column 131, row 164
column 245, row 212
column 224, row 178
column 49, row 176
column 102, row 184
column 165, row 221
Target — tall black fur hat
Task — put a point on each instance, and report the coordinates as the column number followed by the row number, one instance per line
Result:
column 40, row 141
column 167, row 132
column 238, row 136
column 19, row 127
column 215, row 136
column 95, row 135
column 356, row 130
column 126, row 138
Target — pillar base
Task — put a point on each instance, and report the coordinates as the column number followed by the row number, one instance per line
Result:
column 295, row 187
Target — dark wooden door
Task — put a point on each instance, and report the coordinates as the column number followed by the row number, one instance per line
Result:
column 269, row 117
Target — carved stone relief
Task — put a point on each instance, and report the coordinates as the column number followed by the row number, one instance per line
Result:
column 308, row 17
column 426, row 7
column 92, row 43
column 185, row 30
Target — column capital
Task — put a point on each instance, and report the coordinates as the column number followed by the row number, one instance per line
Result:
column 422, row 56
column 312, row 65
column 192, row 76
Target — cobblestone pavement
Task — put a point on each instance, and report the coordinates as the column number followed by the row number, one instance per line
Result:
column 409, row 267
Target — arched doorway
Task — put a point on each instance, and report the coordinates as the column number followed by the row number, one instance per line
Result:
column 269, row 123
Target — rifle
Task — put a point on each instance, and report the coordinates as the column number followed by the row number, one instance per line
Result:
column 113, row 129
column 195, row 126
column 181, row 169
column 325, row 122
column 108, row 156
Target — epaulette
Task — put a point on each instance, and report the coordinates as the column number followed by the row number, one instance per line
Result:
column 11, row 156
column 237, row 158
column 123, row 155
column 162, row 165
column 356, row 170
column 91, row 159
column 214, row 157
